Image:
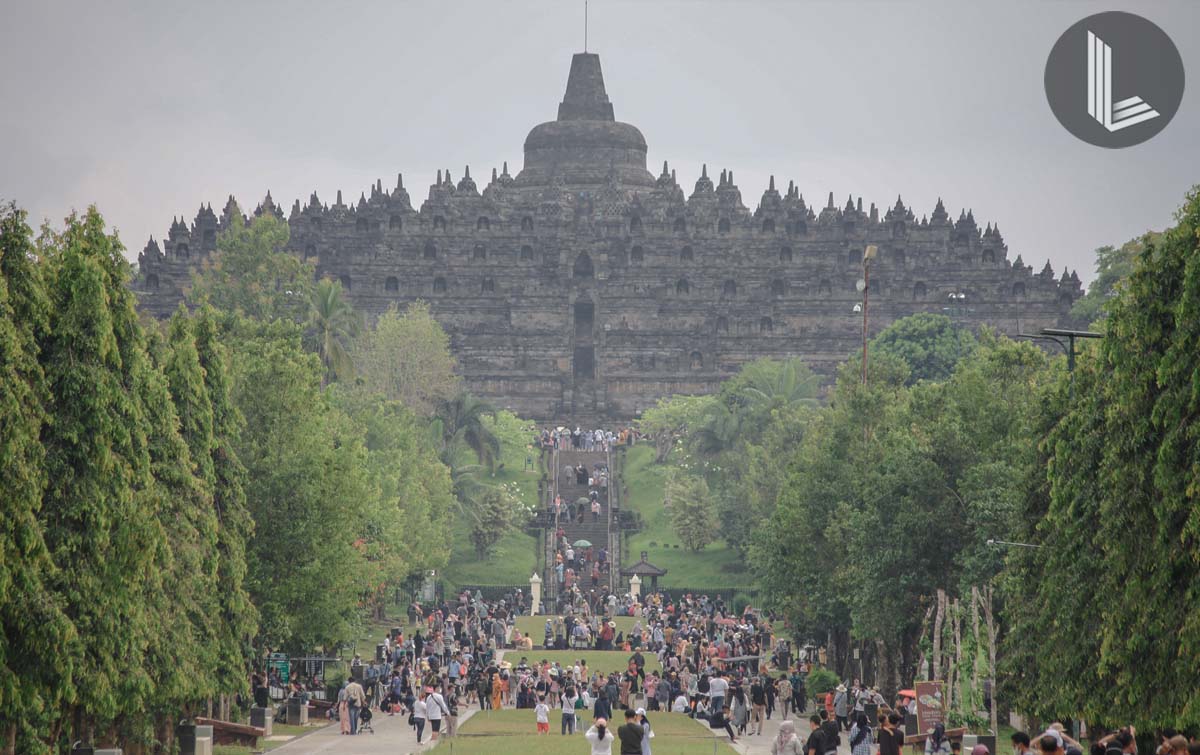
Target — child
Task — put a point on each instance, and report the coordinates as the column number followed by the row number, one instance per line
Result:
column 542, row 712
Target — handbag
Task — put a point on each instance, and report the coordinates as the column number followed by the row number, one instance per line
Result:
column 412, row 720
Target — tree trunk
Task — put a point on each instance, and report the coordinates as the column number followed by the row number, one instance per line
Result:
column 938, row 619
column 956, row 610
column 989, row 619
column 9, row 744
column 975, row 600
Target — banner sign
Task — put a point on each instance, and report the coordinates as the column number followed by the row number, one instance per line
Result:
column 931, row 706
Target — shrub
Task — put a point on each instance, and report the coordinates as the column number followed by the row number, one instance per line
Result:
column 820, row 681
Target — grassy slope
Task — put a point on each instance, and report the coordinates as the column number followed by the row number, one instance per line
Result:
column 699, row 569
column 514, row 558
column 674, row 735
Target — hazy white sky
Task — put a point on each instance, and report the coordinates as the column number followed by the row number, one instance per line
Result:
column 147, row 109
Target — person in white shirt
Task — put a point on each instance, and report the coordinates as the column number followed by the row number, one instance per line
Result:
column 418, row 716
column 680, row 705
column 541, row 712
column 435, row 708
column 600, row 737
column 717, row 688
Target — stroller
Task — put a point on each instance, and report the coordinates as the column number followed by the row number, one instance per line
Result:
column 364, row 720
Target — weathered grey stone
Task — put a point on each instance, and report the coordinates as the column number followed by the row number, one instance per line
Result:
column 297, row 713
column 263, row 718
column 586, row 287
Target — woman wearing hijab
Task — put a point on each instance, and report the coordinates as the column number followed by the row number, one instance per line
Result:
column 861, row 741
column 786, row 742
column 936, row 743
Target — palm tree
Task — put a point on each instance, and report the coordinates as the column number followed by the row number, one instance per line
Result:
column 332, row 324
column 773, row 385
column 462, row 420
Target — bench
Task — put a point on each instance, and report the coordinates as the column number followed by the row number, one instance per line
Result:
column 229, row 733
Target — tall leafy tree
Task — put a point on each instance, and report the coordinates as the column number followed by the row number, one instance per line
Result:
column 406, row 358
column 1121, row 523
column 104, row 536
column 37, row 642
column 252, row 274
column 1113, row 267
column 238, row 617
column 463, row 420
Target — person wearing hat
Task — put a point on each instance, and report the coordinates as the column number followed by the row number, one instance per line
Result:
column 841, row 708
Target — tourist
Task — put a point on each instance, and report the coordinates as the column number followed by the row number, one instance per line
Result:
column 758, row 705
column 861, row 740
column 717, row 689
column 831, row 733
column 451, row 717
column 356, row 699
column 783, row 693
column 599, row 737
column 435, row 710
column 719, row 719
column 786, row 741
column 343, row 706
column 891, row 739
column 1021, row 743
column 740, row 708
column 631, row 735
column 816, row 737
column 417, row 719
column 936, row 743
column 841, row 708
column 647, row 731
column 569, row 698
column 541, row 714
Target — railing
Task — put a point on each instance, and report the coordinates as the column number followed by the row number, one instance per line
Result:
column 549, row 578
column 614, row 533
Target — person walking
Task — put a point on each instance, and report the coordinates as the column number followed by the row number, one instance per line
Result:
column 783, row 694
column 356, row 698
column 343, row 707
column 861, row 741
column 435, row 710
column 841, row 708
column 758, row 705
column 600, row 737
column 417, row 719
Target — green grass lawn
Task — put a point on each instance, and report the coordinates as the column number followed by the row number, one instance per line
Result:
column 716, row 566
column 675, row 734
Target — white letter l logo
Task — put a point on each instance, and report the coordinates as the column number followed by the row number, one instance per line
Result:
column 1114, row 116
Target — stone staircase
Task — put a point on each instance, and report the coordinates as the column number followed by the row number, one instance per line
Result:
column 596, row 530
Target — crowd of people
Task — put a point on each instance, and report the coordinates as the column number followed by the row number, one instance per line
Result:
column 566, row 439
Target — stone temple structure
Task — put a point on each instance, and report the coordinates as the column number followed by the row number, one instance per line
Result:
column 586, row 286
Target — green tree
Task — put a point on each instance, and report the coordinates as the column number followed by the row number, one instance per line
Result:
column 692, row 510
column 464, row 422
column 1113, row 267
column 104, row 536
column 669, row 420
column 307, row 489
column 493, row 517
column 252, row 274
column 238, row 622
column 406, row 358
column 1121, row 521
column 332, row 324
column 37, row 642
column 929, row 344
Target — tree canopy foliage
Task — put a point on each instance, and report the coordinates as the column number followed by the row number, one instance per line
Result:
column 1113, row 592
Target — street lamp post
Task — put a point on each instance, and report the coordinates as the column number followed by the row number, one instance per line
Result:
column 865, row 286
column 1054, row 335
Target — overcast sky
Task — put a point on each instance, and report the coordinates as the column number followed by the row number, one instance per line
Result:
column 148, row 109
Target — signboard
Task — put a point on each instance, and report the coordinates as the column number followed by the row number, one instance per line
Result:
column 279, row 662
column 931, row 705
